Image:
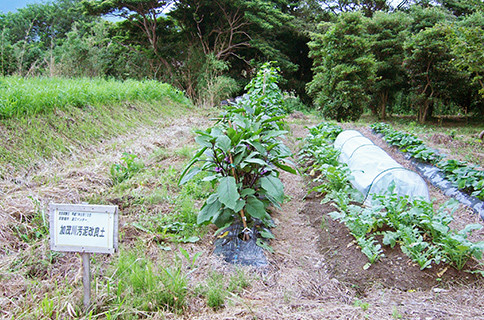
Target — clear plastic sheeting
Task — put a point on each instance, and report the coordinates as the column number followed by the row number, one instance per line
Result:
column 374, row 171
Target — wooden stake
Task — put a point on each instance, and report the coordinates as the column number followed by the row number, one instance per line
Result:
column 86, row 279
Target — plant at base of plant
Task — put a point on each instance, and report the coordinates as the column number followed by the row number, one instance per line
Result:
column 125, row 170
column 238, row 281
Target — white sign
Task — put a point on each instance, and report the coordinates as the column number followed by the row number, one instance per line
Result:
column 83, row 228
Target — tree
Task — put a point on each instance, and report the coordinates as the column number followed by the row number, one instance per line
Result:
column 240, row 33
column 343, row 67
column 34, row 32
column 368, row 7
column 462, row 7
column 144, row 14
column 432, row 75
column 388, row 32
column 466, row 39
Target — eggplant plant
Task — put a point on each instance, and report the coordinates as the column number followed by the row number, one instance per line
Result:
column 242, row 154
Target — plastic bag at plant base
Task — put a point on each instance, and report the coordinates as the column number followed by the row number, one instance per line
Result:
column 374, row 170
column 236, row 251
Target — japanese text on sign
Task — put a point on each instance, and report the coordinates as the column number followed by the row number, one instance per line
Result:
column 83, row 228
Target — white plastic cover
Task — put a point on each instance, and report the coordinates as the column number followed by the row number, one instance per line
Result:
column 374, row 170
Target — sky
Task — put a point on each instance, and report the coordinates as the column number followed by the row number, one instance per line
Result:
column 13, row 5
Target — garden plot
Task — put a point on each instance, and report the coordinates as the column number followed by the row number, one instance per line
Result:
column 316, row 271
column 392, row 218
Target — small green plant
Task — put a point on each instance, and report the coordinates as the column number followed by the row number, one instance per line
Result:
column 238, row 281
column 37, row 227
column 396, row 314
column 464, row 176
column 217, row 287
column 216, row 292
column 363, row 305
column 191, row 260
column 129, row 166
column 144, row 287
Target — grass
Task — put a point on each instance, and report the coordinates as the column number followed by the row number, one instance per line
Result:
column 217, row 287
column 56, row 117
column 141, row 284
column 25, row 97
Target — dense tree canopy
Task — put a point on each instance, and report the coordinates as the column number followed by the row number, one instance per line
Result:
column 344, row 67
column 416, row 56
column 431, row 55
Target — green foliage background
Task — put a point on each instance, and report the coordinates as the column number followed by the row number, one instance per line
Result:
column 343, row 57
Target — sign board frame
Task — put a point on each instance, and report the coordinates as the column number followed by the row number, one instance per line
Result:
column 106, row 217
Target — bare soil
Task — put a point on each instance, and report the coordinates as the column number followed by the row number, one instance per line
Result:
column 316, row 271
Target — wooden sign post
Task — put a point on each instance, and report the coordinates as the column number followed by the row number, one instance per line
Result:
column 85, row 229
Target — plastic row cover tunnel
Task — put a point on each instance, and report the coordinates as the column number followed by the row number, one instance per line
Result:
column 374, row 170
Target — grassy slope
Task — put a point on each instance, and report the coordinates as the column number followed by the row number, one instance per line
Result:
column 52, row 118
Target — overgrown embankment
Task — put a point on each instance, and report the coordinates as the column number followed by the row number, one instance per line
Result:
column 45, row 118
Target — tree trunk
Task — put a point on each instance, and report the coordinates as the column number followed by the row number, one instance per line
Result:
column 383, row 105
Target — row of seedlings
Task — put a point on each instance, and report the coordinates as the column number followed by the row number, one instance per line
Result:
column 422, row 232
column 465, row 176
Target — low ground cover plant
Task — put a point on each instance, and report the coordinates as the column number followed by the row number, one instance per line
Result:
column 422, row 232
column 129, row 166
column 242, row 155
column 465, row 176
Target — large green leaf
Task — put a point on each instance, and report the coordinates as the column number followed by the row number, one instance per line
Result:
column 255, row 208
column 224, row 143
column 285, row 167
column 274, row 133
column 210, row 210
column 224, row 219
column 191, row 163
column 247, row 192
column 205, row 141
column 256, row 161
column 274, row 187
column 240, row 205
column 227, row 192
column 188, row 176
